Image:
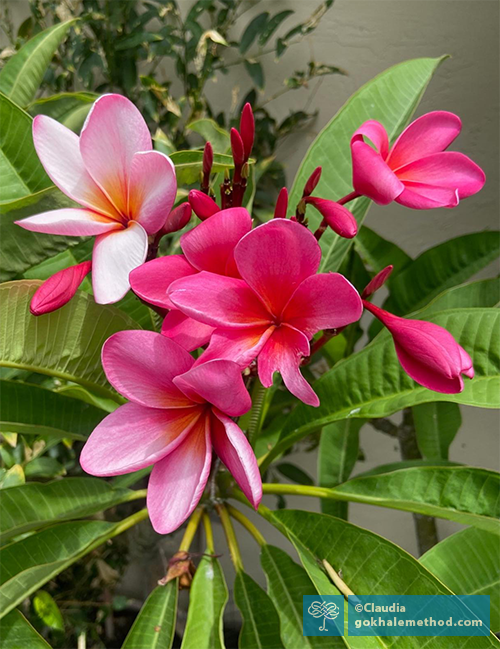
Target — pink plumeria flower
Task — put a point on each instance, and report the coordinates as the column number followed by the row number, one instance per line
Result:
column 176, row 414
column 209, row 247
column 417, row 171
column 427, row 352
column 277, row 306
column 58, row 290
column 126, row 189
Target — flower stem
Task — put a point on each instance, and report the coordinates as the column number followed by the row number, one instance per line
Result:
column 232, row 542
column 338, row 582
column 300, row 490
column 247, row 524
column 208, row 533
column 191, row 528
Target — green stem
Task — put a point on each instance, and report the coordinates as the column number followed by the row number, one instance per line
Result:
column 208, row 533
column 300, row 490
column 191, row 528
column 232, row 541
column 247, row 524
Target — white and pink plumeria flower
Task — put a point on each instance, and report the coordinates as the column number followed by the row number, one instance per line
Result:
column 125, row 189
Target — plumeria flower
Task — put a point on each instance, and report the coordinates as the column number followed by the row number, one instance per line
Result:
column 207, row 247
column 427, row 352
column 176, row 414
column 126, row 189
column 277, row 306
column 417, row 171
column 58, row 290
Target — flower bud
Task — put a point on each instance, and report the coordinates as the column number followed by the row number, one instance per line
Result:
column 337, row 216
column 237, row 148
column 247, row 129
column 178, row 218
column 281, row 204
column 203, row 206
column 377, row 282
column 59, row 289
column 311, row 183
column 208, row 159
column 427, row 352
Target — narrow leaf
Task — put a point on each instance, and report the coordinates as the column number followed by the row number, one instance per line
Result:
column 253, row 29
column 154, row 626
column 436, row 425
column 17, row 633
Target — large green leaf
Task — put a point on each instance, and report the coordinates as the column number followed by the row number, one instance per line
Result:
column 68, row 108
column 337, row 455
column 261, row 624
column 154, row 627
column 436, row 425
column 370, row 565
column 23, row 73
column 371, row 383
column 33, row 505
column 17, row 633
column 21, row 172
column 207, row 601
column 378, row 253
column 28, row 564
column 211, row 132
column 481, row 293
column 468, row 562
column 66, row 343
column 458, row 493
column 33, row 410
column 390, row 98
column 287, row 583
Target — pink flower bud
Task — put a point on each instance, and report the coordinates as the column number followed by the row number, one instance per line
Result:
column 247, row 129
column 337, row 216
column 377, row 282
column 427, row 352
column 178, row 218
column 281, row 205
column 59, row 289
column 313, row 180
column 237, row 147
column 203, row 206
column 208, row 158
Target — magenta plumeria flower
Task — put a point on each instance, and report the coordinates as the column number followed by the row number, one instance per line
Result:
column 417, row 171
column 176, row 414
column 126, row 189
column 208, row 247
column 277, row 306
column 58, row 290
column 427, row 352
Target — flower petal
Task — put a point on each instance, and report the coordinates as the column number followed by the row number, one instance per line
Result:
column 283, row 353
column 233, row 448
column 133, row 437
column 114, row 256
column 275, row 258
column 325, row 301
column 70, row 221
column 59, row 151
column 220, row 383
column 152, row 280
column 218, row 301
column 113, row 132
column 185, row 331
column 371, row 176
column 421, row 196
column 238, row 345
column 59, row 289
column 375, row 132
column 152, row 187
column 338, row 217
column 141, row 365
column 427, row 376
column 178, row 481
column 449, row 169
column 209, row 245
column 428, row 134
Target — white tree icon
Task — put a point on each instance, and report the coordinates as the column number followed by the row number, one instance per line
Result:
column 327, row 610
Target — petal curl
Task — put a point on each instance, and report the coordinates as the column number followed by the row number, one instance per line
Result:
column 371, row 176
column 152, row 280
column 185, row 331
column 375, row 132
column 70, row 221
column 421, row 196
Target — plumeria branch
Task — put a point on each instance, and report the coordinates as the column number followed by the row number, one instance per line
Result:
column 246, row 523
column 232, row 541
column 190, row 531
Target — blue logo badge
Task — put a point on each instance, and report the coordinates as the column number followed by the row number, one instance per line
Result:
column 323, row 615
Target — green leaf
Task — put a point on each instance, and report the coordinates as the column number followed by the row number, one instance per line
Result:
column 255, row 72
column 33, row 410
column 287, row 583
column 380, row 393
column 68, row 108
column 207, row 601
column 482, row 293
column 390, row 98
column 337, row 455
column 294, row 473
column 458, row 493
column 261, row 624
column 21, row 172
column 13, row 477
column 370, row 565
column 468, row 562
column 436, row 425
column 44, row 467
column 378, row 253
column 48, row 611
column 188, row 165
column 211, row 132
column 22, row 74
column 154, row 627
column 33, row 505
column 17, row 633
column 28, row 564
column 255, row 28
column 72, row 336
column 273, row 24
